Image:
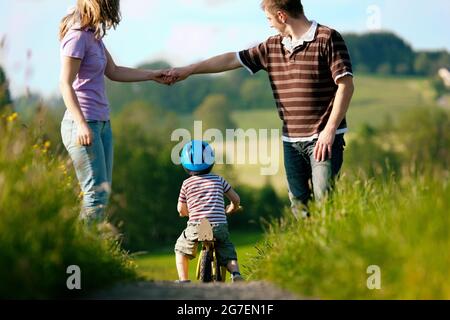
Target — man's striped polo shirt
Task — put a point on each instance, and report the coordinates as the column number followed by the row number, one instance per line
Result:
column 303, row 77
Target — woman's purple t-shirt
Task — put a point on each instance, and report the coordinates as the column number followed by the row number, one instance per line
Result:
column 89, row 84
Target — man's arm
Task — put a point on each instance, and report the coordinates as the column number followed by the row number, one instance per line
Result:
column 221, row 63
column 344, row 95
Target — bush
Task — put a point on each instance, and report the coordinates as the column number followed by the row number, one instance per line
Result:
column 419, row 142
column 424, row 138
column 367, row 156
column 261, row 206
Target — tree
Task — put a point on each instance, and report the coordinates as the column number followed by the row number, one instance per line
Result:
column 146, row 183
column 381, row 52
column 256, row 93
column 428, row 63
column 215, row 112
column 267, row 204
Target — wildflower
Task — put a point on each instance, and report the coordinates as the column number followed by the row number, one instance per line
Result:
column 47, row 144
column 12, row 117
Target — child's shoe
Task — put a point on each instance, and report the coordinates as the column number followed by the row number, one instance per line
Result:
column 236, row 277
column 182, row 281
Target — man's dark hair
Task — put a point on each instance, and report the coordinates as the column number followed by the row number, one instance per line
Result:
column 198, row 173
column 293, row 8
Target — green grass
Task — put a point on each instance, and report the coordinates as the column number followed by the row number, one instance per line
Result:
column 400, row 226
column 161, row 265
column 40, row 235
column 377, row 98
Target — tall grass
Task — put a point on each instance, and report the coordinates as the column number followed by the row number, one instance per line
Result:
column 40, row 236
column 401, row 226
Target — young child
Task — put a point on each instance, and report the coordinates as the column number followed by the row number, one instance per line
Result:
column 201, row 196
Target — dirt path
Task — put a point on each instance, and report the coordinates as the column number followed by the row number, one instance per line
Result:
column 195, row 291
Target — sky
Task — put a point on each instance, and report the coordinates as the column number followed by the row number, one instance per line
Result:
column 186, row 31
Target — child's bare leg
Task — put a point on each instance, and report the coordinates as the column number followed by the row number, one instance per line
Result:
column 182, row 266
column 233, row 266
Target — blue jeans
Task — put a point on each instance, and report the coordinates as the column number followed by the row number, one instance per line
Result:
column 93, row 166
column 304, row 172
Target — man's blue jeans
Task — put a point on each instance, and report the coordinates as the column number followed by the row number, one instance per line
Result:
column 93, row 166
column 304, row 172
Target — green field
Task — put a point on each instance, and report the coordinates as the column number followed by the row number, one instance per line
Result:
column 375, row 98
column 161, row 265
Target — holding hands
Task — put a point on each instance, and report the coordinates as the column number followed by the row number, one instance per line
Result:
column 221, row 63
column 171, row 76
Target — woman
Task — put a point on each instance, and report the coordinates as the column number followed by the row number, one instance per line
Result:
column 86, row 128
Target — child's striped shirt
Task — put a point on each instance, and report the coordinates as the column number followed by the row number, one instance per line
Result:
column 204, row 198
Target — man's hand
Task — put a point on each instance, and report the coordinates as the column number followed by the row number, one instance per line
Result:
column 162, row 76
column 324, row 145
column 322, row 151
column 179, row 74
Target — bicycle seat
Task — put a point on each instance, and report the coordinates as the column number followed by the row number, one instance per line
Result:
column 205, row 232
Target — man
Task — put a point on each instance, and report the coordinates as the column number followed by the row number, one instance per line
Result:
column 311, row 75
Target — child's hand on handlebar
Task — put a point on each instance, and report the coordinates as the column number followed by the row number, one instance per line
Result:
column 231, row 208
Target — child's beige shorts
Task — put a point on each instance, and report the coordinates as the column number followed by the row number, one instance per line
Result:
column 187, row 243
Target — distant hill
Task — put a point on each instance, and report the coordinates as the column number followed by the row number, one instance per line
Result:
column 385, row 53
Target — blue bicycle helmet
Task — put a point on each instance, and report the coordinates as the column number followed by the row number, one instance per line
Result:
column 197, row 156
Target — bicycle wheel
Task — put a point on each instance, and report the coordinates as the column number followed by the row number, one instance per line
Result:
column 217, row 269
column 219, row 272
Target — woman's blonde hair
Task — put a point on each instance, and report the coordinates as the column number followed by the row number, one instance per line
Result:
column 100, row 15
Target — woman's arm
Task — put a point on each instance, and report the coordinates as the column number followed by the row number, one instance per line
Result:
column 123, row 74
column 69, row 71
